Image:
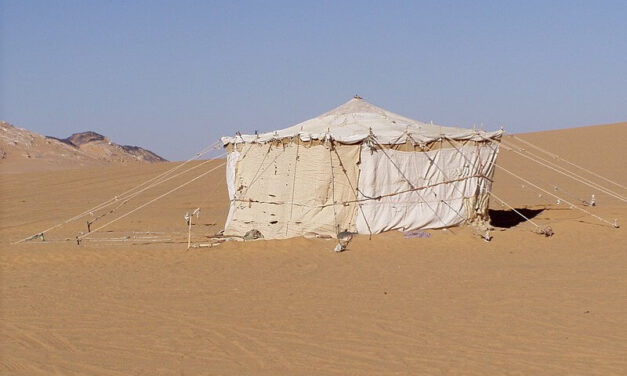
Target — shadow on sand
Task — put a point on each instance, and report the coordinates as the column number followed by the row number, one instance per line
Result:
column 509, row 218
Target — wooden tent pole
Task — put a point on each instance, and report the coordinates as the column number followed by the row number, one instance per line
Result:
column 189, row 231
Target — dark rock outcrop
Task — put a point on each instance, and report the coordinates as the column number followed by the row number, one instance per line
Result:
column 79, row 139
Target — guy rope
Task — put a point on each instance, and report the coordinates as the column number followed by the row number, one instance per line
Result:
column 130, row 193
column 80, row 237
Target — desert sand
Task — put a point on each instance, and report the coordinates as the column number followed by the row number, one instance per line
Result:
column 522, row 304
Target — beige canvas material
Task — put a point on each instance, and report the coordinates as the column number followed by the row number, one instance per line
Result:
column 231, row 161
column 476, row 206
column 356, row 120
column 422, row 189
column 287, row 190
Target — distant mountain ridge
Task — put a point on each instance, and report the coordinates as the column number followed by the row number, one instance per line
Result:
column 21, row 149
column 79, row 139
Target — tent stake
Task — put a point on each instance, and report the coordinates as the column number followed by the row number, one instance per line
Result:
column 189, row 232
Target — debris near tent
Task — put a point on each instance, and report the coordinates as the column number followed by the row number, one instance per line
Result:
column 358, row 169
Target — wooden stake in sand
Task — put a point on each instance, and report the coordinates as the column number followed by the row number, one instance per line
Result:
column 189, row 233
column 189, row 218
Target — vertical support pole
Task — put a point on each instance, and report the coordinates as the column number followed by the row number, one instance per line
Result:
column 287, row 225
column 189, row 232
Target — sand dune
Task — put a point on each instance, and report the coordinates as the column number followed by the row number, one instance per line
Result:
column 601, row 149
column 449, row 304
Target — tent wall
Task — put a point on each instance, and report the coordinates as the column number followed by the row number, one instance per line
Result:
column 456, row 187
column 287, row 189
column 231, row 160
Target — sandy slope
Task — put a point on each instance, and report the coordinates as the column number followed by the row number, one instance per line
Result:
column 602, row 149
column 449, row 304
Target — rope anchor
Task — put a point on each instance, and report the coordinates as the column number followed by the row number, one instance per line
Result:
column 35, row 236
column 546, row 231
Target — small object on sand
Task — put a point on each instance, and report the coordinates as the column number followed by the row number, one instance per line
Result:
column 546, row 231
column 208, row 245
column 253, row 235
column 416, row 234
column 35, row 236
column 343, row 238
column 593, row 201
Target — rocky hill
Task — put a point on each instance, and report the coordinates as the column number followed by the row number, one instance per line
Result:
column 22, row 150
column 98, row 145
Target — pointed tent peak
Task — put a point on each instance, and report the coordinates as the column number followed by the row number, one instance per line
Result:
column 358, row 105
column 356, row 120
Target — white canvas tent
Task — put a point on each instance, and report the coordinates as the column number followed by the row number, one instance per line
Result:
column 358, row 168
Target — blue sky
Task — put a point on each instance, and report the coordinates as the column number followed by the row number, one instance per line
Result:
column 173, row 76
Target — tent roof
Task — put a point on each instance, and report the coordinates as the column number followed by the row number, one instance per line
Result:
column 356, row 119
